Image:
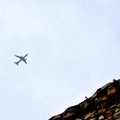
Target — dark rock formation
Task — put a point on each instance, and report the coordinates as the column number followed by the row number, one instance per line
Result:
column 103, row 105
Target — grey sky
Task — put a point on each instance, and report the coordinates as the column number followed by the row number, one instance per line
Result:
column 73, row 49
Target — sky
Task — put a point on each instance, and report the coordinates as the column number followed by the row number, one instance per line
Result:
column 73, row 49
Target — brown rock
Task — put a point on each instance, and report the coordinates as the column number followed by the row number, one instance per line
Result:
column 103, row 105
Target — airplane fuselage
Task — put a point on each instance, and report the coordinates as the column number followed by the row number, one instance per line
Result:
column 22, row 58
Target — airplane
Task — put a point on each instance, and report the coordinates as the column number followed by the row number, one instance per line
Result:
column 22, row 58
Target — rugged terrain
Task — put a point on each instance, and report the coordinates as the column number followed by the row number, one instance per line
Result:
column 104, row 104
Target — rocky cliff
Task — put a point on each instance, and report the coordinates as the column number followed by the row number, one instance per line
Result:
column 104, row 104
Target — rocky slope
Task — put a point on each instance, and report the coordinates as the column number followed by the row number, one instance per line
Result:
column 103, row 105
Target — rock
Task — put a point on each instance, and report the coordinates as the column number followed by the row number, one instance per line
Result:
column 104, row 104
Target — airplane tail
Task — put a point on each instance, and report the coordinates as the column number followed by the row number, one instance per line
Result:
column 16, row 63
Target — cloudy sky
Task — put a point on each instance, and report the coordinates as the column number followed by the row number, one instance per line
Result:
column 73, row 49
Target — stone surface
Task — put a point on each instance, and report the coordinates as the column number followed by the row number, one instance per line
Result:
column 103, row 105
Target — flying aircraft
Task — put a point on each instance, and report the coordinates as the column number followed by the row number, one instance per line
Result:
column 22, row 58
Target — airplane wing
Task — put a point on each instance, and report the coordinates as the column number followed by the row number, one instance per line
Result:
column 25, row 55
column 25, row 61
column 18, row 56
